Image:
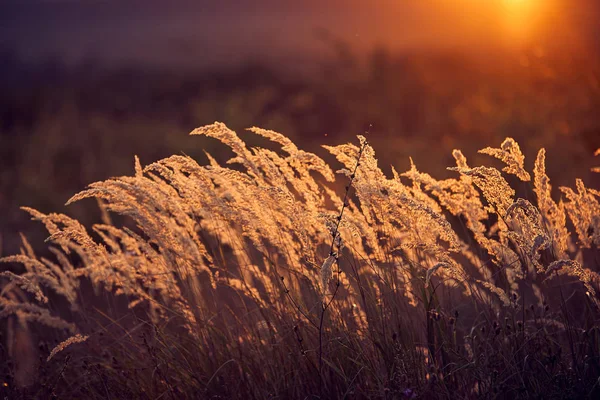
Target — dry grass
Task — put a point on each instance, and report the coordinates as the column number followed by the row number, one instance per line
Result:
column 257, row 280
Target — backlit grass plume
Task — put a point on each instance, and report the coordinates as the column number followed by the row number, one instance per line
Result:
column 254, row 278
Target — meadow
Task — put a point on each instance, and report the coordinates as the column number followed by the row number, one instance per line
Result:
column 277, row 274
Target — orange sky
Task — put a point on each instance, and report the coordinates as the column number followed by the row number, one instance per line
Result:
column 204, row 32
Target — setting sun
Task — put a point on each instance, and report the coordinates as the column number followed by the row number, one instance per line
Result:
column 523, row 18
column 517, row 2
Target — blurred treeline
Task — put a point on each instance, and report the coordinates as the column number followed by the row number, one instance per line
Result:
column 62, row 128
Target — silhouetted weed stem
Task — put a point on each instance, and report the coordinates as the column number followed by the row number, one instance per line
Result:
column 336, row 241
column 291, row 299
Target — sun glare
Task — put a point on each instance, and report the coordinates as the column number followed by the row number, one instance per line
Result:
column 521, row 18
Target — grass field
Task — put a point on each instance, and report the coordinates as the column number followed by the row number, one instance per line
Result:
column 276, row 274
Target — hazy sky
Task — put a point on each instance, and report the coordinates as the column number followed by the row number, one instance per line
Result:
column 226, row 31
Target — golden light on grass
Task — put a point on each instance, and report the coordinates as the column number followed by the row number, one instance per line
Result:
column 222, row 271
